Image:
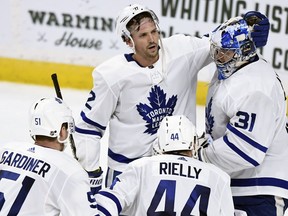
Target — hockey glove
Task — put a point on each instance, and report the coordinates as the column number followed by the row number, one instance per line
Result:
column 156, row 150
column 199, row 147
column 260, row 24
column 96, row 178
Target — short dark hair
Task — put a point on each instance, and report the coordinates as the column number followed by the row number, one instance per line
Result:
column 44, row 138
column 137, row 19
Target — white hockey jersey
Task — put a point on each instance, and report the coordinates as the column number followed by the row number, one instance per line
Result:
column 171, row 185
column 245, row 114
column 41, row 181
column 134, row 100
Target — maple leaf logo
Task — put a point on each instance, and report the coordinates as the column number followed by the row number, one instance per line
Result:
column 209, row 123
column 157, row 110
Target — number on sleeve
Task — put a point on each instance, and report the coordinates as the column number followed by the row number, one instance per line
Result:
column 91, row 199
column 246, row 120
column 91, row 97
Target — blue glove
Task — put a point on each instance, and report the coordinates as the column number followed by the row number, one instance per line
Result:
column 95, row 179
column 261, row 26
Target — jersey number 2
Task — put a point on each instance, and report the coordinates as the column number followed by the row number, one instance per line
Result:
column 26, row 186
column 169, row 186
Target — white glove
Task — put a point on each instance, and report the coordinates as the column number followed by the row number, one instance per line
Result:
column 199, row 151
column 156, row 148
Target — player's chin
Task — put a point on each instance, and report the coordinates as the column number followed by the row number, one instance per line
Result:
column 153, row 52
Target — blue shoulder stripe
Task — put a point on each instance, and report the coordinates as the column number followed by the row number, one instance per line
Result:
column 89, row 121
column 239, row 152
column 247, row 139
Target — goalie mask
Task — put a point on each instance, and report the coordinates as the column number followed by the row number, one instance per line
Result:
column 175, row 133
column 47, row 117
column 126, row 15
column 231, row 46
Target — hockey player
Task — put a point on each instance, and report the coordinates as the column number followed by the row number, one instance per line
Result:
column 40, row 179
column 133, row 92
column 172, row 183
column 245, row 115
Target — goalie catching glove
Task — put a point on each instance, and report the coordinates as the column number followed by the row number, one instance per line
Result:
column 199, row 147
column 95, row 179
column 260, row 27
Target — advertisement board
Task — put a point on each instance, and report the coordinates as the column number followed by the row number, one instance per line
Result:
column 74, row 36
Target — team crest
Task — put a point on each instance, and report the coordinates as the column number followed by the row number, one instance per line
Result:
column 157, row 109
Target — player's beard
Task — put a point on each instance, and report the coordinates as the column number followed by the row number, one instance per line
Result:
column 152, row 53
column 148, row 55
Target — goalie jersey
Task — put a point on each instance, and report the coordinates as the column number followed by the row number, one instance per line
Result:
column 168, row 185
column 245, row 114
column 134, row 100
column 41, row 181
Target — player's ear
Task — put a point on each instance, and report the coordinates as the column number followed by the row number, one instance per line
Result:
column 129, row 42
column 64, row 131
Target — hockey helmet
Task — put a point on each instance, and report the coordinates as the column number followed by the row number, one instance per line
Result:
column 175, row 133
column 47, row 116
column 127, row 14
column 231, row 46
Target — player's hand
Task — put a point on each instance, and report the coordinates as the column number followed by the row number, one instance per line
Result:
column 260, row 27
column 95, row 179
column 199, row 147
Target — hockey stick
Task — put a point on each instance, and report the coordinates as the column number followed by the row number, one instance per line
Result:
column 59, row 95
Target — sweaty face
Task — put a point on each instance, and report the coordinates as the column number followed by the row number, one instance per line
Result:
column 146, row 37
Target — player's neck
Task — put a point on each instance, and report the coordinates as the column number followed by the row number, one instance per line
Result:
column 145, row 62
column 47, row 144
column 186, row 153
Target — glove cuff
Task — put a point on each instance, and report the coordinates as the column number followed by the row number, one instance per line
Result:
column 95, row 177
column 202, row 155
column 95, row 182
column 96, row 173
